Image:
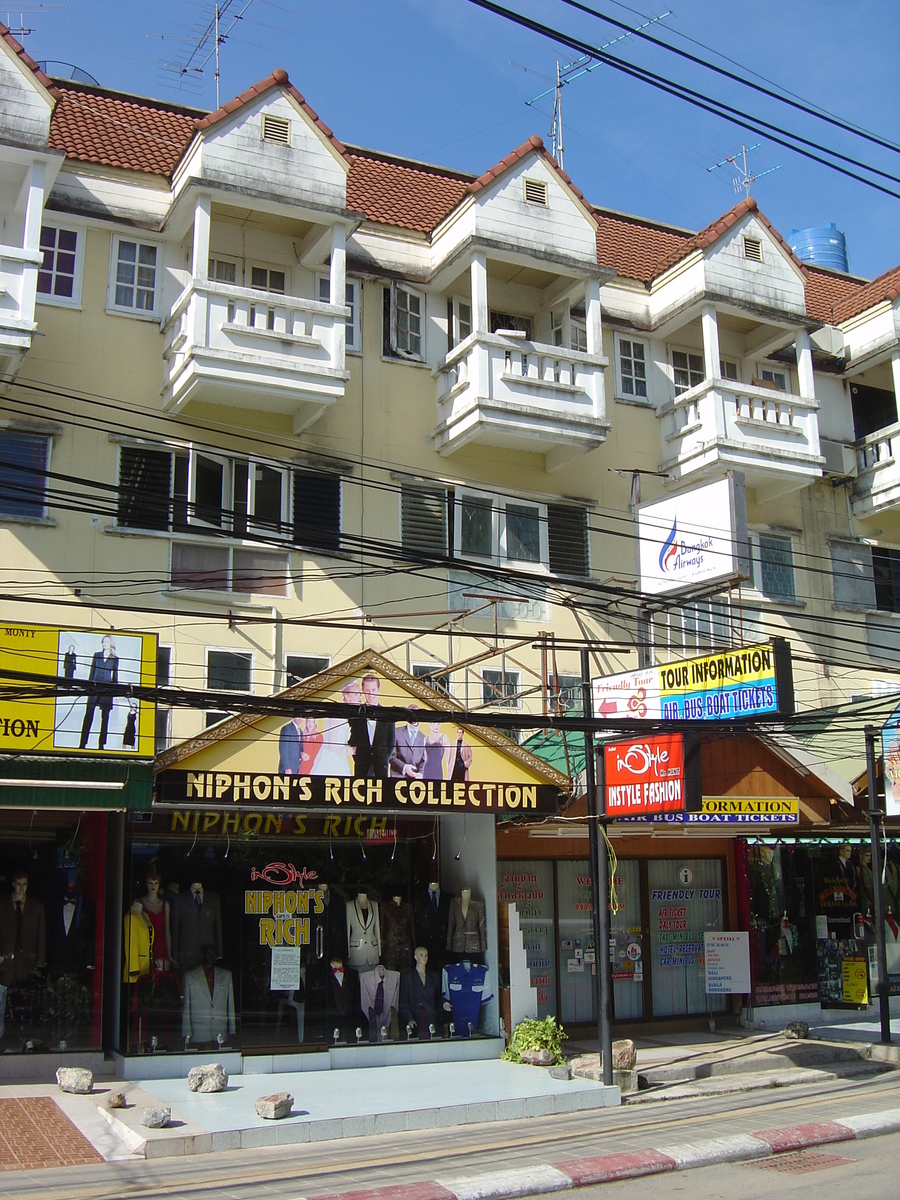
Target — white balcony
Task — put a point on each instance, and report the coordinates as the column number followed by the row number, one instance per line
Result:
column 18, row 285
column 251, row 349
column 877, row 486
column 501, row 390
column 772, row 437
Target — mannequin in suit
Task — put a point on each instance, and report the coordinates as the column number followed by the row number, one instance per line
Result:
column 432, row 915
column 23, row 933
column 408, row 756
column 398, row 934
column 70, row 929
column 196, row 921
column 466, row 929
column 421, row 1003
column 208, row 1001
column 341, row 1000
column 363, row 932
column 371, row 739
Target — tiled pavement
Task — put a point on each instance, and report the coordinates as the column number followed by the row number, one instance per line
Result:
column 35, row 1132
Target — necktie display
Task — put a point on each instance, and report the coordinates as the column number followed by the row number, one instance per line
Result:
column 379, row 999
column 19, row 946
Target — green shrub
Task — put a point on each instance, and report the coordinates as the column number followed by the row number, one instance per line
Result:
column 536, row 1035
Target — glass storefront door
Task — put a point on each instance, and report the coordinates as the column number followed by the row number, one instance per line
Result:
column 685, row 901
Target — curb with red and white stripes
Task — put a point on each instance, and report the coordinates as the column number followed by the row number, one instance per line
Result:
column 630, row 1164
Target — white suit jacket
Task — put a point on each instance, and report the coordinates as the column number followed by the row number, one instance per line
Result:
column 204, row 1015
column 363, row 934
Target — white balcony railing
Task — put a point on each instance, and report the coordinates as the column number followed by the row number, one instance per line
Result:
column 720, row 424
column 502, row 390
column 254, row 348
column 877, row 486
column 18, row 286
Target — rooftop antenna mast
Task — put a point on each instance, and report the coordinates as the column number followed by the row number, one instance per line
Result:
column 22, row 30
column 572, row 71
column 743, row 177
column 212, row 37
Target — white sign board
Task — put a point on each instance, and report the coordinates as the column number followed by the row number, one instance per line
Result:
column 727, row 963
column 694, row 539
column 285, row 971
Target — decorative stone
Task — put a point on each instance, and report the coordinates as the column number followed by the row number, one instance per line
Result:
column 625, row 1081
column 210, row 1077
column 276, row 1106
column 797, row 1030
column 624, row 1055
column 539, row 1058
column 75, row 1079
column 587, row 1066
column 156, row 1118
column 564, row 1072
column 116, row 1100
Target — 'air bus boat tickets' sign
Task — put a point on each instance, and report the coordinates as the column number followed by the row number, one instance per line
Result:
column 651, row 775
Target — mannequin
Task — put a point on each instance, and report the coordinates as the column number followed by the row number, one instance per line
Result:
column 467, row 987
column 398, row 934
column 363, row 932
column 208, row 1001
column 420, row 996
column 378, row 1006
column 23, row 933
column 432, row 913
column 466, row 928
column 158, row 913
column 70, row 929
column 341, row 1000
column 196, row 921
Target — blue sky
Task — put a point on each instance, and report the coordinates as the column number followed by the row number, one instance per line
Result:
column 445, row 82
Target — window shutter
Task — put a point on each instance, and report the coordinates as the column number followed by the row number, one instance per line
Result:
column 423, row 519
column 317, row 510
column 854, row 582
column 144, row 488
column 567, row 537
column 276, row 129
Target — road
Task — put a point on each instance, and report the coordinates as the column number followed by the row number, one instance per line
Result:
column 323, row 1168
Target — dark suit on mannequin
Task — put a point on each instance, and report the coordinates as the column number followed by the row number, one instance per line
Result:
column 421, row 1001
column 18, row 962
column 431, row 925
column 70, row 950
column 341, row 1002
column 104, row 669
column 290, row 749
column 194, row 926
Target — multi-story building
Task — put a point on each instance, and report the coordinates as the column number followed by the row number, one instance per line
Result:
column 282, row 401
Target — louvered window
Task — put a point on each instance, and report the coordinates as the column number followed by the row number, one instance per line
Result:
column 423, row 519
column 567, row 537
column 753, row 249
column 536, row 192
column 317, row 510
column 145, row 485
column 276, row 129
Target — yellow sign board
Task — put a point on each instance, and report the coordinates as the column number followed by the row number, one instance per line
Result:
column 854, row 981
column 52, row 717
column 782, row 807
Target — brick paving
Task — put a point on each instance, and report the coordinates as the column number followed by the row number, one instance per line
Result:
column 36, row 1133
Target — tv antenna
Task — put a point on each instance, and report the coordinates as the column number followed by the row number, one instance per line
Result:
column 22, row 30
column 743, row 177
column 568, row 74
column 213, row 36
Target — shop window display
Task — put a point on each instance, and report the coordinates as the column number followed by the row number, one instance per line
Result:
column 296, row 930
column 51, row 892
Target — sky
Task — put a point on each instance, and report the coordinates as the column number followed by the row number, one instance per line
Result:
column 446, row 82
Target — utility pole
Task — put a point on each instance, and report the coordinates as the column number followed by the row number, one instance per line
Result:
column 599, row 886
column 876, row 816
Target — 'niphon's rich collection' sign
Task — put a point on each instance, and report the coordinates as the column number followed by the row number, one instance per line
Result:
column 246, row 789
column 651, row 775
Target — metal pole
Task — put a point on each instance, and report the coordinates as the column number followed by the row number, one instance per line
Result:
column 599, row 888
column 875, row 818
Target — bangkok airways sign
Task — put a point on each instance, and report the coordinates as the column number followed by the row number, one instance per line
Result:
column 694, row 539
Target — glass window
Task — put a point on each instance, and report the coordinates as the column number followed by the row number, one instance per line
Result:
column 302, row 666
column 222, row 270
column 774, row 566
column 853, row 575
column 23, row 474
column 728, row 369
column 351, row 299
column 685, row 902
column 632, row 368
column 58, row 272
column 268, row 279
column 476, row 527
column 778, row 378
column 886, row 572
column 409, row 322
column 501, row 688
column 229, row 670
column 203, row 568
column 529, row 886
column 687, row 370
column 523, row 533
column 136, row 269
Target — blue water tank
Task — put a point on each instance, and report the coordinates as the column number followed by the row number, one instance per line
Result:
column 823, row 245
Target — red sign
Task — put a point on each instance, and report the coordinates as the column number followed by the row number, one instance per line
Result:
column 645, row 776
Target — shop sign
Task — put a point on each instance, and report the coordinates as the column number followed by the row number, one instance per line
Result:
column 646, row 776
column 727, row 961
column 693, row 539
column 750, row 681
column 62, row 716
column 890, row 749
column 247, row 789
column 734, row 810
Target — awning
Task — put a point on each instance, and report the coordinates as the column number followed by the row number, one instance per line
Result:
column 49, row 782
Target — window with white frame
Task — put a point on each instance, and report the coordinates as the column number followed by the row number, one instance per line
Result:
column 163, row 712
column 353, row 334
column 223, row 270
column 404, row 322
column 268, row 279
column 197, row 566
column 301, row 666
column 704, row 625
column 59, row 275
column 776, row 379
column 192, row 490
column 459, row 321
column 866, row 577
column 772, row 565
column 425, row 672
column 632, row 368
column 564, row 693
column 136, row 276
column 227, row 671
column 687, row 370
column 578, row 334
column 500, row 688
column 24, row 460
column 728, row 369
column 500, row 530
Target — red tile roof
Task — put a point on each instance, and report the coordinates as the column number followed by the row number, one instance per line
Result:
column 827, row 292
column 706, row 237
column 405, row 194
column 885, row 287
column 112, row 130
column 634, row 248
column 26, row 58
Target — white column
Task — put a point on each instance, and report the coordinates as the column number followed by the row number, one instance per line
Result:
column 479, row 359
column 594, row 375
column 31, row 238
column 805, row 380
column 337, row 293
column 200, row 253
column 895, row 371
column 710, row 327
